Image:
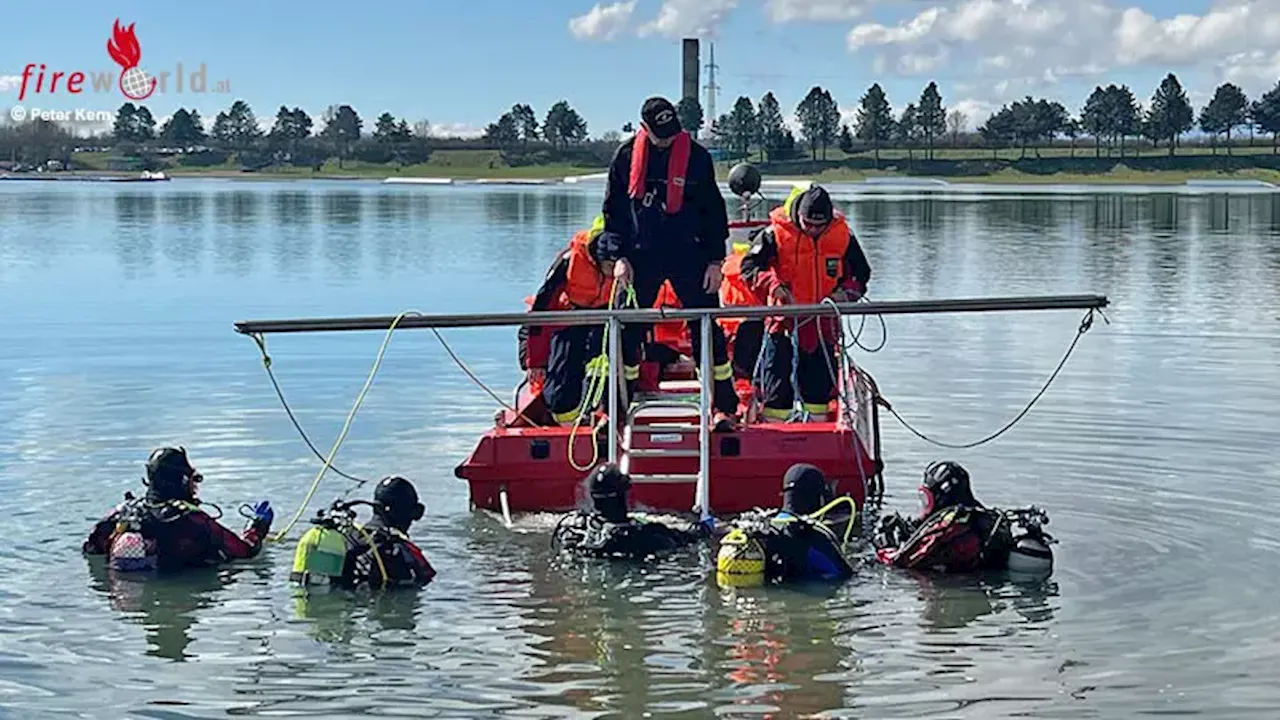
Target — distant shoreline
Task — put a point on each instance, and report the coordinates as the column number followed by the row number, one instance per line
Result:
column 540, row 175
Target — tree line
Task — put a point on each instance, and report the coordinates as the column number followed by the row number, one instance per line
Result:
column 1111, row 115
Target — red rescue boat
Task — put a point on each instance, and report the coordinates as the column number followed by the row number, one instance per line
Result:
column 542, row 468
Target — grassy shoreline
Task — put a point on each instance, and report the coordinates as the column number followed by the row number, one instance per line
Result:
column 485, row 165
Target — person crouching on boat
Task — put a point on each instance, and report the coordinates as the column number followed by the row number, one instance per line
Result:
column 339, row 552
column 807, row 254
column 956, row 533
column 608, row 530
column 580, row 278
column 166, row 530
column 790, row 544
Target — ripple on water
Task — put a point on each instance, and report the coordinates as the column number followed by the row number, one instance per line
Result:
column 1154, row 454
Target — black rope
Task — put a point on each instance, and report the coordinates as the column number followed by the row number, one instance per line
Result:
column 1085, row 324
column 266, row 363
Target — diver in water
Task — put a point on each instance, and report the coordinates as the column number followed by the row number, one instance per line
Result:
column 956, row 533
column 167, row 530
column 377, row 554
column 788, row 544
column 609, row 531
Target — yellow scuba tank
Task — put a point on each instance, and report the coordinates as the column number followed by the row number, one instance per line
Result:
column 321, row 555
column 740, row 562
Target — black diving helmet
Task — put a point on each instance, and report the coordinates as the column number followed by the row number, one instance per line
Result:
column 804, row 489
column 396, row 502
column 609, row 486
column 945, row 484
column 170, row 475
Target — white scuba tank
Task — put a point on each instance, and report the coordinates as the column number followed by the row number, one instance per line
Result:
column 1030, row 556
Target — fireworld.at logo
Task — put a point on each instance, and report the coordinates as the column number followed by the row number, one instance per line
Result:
column 134, row 82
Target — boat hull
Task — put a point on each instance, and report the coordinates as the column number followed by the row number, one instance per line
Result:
column 532, row 465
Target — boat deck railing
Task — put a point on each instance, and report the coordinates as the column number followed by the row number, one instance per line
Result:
column 705, row 316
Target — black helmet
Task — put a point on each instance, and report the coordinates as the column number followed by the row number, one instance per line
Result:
column 170, row 475
column 804, row 489
column 609, row 486
column 397, row 502
column 744, row 179
column 945, row 484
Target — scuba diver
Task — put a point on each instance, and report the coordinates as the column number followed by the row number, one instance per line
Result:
column 607, row 530
column 166, row 530
column 341, row 553
column 790, row 544
column 956, row 533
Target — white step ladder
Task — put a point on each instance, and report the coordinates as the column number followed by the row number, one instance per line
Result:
column 666, row 401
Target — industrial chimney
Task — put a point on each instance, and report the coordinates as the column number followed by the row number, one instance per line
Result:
column 689, row 69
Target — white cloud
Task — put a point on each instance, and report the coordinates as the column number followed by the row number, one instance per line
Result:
column 603, row 22
column 975, row 111
column 1056, row 39
column 783, row 11
column 458, row 130
column 10, row 82
column 688, row 18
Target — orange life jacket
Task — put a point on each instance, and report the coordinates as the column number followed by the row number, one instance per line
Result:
column 734, row 291
column 672, row 333
column 584, row 285
column 809, row 268
column 677, row 168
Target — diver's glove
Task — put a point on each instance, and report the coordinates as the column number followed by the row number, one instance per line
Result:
column 259, row 522
column 892, row 531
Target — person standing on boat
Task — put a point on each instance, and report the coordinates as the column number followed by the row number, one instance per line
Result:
column 166, row 530
column 665, row 219
column 807, row 254
column 579, row 279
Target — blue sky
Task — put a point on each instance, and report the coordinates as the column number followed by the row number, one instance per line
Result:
column 460, row 64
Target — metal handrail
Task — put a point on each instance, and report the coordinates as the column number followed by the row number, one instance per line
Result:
column 656, row 315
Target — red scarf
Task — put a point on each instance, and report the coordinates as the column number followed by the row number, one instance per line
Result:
column 677, row 166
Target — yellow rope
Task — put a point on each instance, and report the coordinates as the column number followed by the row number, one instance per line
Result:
column 346, row 426
column 598, row 381
column 377, row 556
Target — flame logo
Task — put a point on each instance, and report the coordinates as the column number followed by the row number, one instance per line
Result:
column 123, row 47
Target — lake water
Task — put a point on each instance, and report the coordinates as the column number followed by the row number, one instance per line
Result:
column 1156, row 453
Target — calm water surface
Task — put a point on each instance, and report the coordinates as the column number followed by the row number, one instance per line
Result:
column 1155, row 455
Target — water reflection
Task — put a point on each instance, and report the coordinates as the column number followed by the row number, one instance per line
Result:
column 511, row 208
column 166, row 607
column 334, row 617
column 1160, row 572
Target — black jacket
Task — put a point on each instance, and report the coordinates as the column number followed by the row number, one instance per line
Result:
column 699, row 230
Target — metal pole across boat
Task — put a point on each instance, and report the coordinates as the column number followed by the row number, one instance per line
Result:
column 703, row 498
column 615, row 369
column 651, row 315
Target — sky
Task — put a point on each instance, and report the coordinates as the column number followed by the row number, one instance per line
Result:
column 460, row 65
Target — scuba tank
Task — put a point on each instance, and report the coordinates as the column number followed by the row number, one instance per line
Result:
column 1030, row 553
column 321, row 555
column 740, row 561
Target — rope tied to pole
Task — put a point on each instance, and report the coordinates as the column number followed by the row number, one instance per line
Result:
column 1085, row 324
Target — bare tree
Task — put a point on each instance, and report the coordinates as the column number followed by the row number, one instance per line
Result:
column 422, row 128
column 956, row 122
